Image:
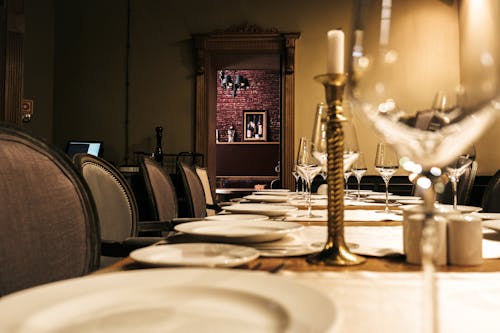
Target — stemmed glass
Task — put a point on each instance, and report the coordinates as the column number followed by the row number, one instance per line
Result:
column 318, row 139
column 359, row 169
column 386, row 163
column 347, row 174
column 308, row 167
column 456, row 168
column 392, row 80
column 296, row 175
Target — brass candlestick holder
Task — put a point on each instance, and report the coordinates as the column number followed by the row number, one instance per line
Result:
column 335, row 252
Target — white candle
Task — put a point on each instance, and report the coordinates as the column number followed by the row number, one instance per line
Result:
column 335, row 52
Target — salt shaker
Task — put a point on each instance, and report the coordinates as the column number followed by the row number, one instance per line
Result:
column 465, row 240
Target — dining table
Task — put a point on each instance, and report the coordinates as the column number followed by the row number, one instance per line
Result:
column 385, row 293
column 382, row 294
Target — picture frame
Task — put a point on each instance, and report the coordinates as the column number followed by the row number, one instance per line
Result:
column 254, row 125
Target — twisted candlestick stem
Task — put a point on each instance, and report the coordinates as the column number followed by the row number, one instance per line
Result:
column 335, row 251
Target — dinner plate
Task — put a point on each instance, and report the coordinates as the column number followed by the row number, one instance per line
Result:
column 266, row 198
column 170, row 300
column 259, row 208
column 410, row 201
column 461, row 208
column 237, row 217
column 276, row 192
column 195, row 254
column 309, row 240
column 492, row 224
column 487, row 216
column 239, row 231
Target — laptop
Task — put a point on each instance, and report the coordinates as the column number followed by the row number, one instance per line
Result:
column 89, row 147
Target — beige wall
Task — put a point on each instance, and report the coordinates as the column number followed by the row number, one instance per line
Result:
column 89, row 68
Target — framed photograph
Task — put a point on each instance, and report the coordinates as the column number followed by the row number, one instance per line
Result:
column 254, row 125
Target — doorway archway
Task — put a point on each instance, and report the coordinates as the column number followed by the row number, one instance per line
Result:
column 248, row 47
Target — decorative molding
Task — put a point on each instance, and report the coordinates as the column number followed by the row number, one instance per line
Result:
column 245, row 27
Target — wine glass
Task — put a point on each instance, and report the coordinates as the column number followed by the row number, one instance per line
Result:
column 359, row 169
column 398, row 65
column 308, row 167
column 386, row 163
column 296, row 176
column 318, row 139
column 456, row 168
column 347, row 174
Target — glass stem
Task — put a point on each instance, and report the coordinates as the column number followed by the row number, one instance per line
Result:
column 359, row 189
column 428, row 250
column 309, row 205
column 454, row 187
column 386, row 196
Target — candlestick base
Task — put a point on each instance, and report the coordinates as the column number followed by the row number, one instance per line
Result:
column 335, row 252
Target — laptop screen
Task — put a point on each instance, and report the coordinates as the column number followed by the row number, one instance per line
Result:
column 89, row 147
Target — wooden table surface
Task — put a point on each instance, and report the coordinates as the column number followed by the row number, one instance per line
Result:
column 299, row 264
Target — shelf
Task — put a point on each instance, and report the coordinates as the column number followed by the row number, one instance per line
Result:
column 249, row 143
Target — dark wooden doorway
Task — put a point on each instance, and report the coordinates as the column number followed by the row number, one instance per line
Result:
column 251, row 47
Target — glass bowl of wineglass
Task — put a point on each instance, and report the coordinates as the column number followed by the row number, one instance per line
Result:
column 404, row 52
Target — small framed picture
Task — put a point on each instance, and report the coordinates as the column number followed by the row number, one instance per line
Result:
column 254, row 125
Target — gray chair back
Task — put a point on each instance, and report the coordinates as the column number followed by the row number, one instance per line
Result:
column 207, row 189
column 113, row 197
column 49, row 228
column 491, row 197
column 195, row 194
column 160, row 190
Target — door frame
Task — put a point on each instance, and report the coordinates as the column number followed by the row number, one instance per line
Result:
column 243, row 40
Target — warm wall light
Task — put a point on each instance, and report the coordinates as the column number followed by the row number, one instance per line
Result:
column 240, row 82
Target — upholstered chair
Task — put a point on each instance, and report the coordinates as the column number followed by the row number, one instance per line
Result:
column 491, row 197
column 116, row 207
column 49, row 227
column 212, row 206
column 194, row 192
column 160, row 190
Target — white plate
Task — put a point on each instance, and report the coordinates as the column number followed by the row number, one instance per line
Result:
column 170, row 300
column 237, row 217
column 266, row 198
column 309, row 240
column 256, row 208
column 410, row 201
column 487, row 216
column 492, row 224
column 195, row 254
column 239, row 231
column 276, row 192
column 461, row 208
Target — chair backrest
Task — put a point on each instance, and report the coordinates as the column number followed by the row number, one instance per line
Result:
column 160, row 189
column 209, row 196
column 195, row 194
column 491, row 197
column 464, row 187
column 113, row 197
column 48, row 224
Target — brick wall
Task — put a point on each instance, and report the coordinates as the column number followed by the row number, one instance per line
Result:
column 263, row 94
